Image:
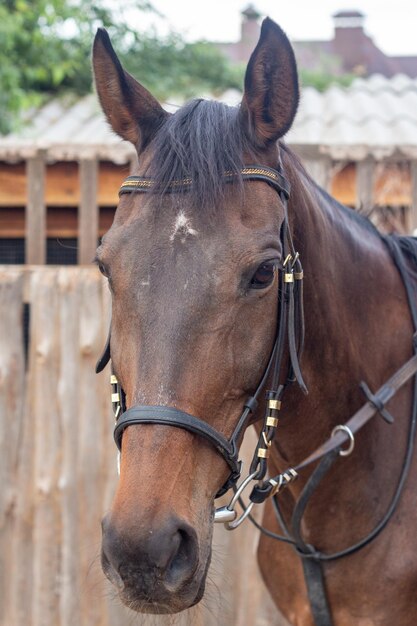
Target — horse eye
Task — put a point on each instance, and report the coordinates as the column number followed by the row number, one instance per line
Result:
column 103, row 269
column 263, row 276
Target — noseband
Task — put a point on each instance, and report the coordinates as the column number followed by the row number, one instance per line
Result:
column 290, row 335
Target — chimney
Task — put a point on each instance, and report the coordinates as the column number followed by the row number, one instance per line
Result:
column 250, row 27
column 349, row 19
column 350, row 40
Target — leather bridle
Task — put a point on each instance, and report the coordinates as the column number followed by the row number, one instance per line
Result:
column 290, row 326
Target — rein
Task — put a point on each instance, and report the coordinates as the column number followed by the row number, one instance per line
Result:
column 290, row 338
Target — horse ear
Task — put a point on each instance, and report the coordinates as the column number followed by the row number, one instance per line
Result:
column 271, row 95
column 132, row 112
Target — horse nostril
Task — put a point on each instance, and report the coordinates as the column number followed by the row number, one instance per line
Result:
column 111, row 573
column 184, row 559
column 165, row 556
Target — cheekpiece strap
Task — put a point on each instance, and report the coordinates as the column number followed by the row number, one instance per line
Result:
column 145, row 184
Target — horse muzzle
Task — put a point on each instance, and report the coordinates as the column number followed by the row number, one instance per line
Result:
column 155, row 569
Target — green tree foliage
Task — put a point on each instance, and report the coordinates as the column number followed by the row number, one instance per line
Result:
column 326, row 71
column 322, row 80
column 169, row 67
column 45, row 51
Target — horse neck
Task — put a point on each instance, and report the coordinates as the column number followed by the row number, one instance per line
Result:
column 354, row 303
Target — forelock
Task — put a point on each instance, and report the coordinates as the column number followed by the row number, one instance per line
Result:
column 201, row 141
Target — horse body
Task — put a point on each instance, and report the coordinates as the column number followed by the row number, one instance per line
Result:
column 358, row 327
column 194, row 318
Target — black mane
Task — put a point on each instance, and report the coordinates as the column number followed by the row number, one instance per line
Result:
column 204, row 139
column 201, row 141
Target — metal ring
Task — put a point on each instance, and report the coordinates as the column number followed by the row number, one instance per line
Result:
column 231, row 507
column 240, row 490
column 237, row 522
column 346, row 430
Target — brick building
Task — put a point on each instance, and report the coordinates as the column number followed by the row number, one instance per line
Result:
column 351, row 50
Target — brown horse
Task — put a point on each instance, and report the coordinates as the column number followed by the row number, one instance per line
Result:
column 193, row 271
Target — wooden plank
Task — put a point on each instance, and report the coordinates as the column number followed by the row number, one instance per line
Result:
column 45, row 410
column 92, row 431
column 88, row 212
column 61, row 222
column 12, row 390
column 12, row 222
column 392, row 186
column 13, row 190
column 412, row 223
column 35, row 240
column 343, row 184
column 319, row 170
column 70, row 582
column 62, row 185
column 21, row 572
column 365, row 186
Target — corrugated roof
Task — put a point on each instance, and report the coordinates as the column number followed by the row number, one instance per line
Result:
column 374, row 116
column 69, row 130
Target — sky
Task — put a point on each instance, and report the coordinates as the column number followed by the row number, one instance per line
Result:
column 391, row 23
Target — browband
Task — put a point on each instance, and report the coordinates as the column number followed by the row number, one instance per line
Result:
column 144, row 184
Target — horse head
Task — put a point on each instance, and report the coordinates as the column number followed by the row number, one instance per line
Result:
column 192, row 269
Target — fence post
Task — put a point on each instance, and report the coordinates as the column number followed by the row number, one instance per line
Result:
column 413, row 206
column 319, row 170
column 365, row 174
column 12, row 391
column 35, row 236
column 88, row 210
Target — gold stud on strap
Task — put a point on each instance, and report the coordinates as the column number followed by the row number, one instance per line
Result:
column 113, row 380
column 290, row 475
column 274, row 404
column 272, row 421
column 115, row 397
column 263, row 453
column 288, row 277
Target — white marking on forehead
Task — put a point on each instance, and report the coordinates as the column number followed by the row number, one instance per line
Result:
column 182, row 227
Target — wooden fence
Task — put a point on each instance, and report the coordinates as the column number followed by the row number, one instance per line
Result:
column 58, row 470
